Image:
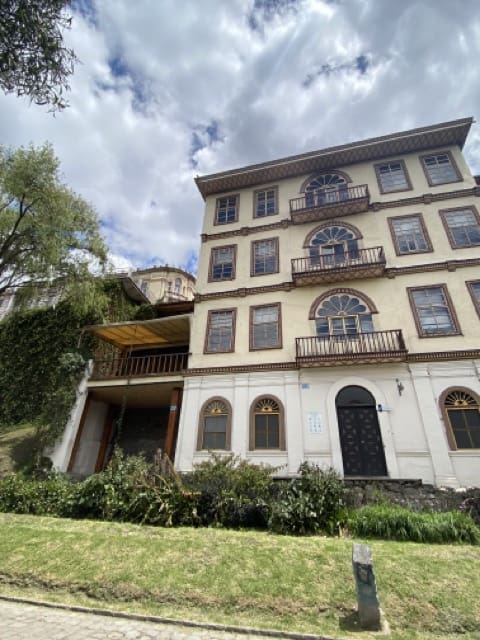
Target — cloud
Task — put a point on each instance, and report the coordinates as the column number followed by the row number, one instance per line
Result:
column 168, row 90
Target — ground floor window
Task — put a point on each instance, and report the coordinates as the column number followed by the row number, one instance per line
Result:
column 266, row 424
column 463, row 415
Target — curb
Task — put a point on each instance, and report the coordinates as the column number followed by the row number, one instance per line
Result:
column 269, row 633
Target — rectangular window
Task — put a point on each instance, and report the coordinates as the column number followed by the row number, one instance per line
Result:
column 265, row 202
column 440, row 168
column 462, row 226
column 392, row 176
column 433, row 311
column 222, row 263
column 264, row 257
column 220, row 331
column 474, row 288
column 265, row 330
column 215, row 432
column 409, row 234
column 227, row 209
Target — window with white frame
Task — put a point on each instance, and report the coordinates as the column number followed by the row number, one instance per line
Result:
column 227, row 209
column 265, row 329
column 440, row 168
column 264, row 256
column 392, row 176
column 462, row 226
column 265, row 202
column 409, row 234
column 222, row 263
column 433, row 311
column 343, row 314
column 220, row 331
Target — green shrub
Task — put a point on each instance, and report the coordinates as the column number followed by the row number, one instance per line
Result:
column 37, row 497
column 309, row 504
column 232, row 492
column 397, row 523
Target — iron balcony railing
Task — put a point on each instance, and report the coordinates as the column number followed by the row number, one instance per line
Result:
column 320, row 198
column 351, row 346
column 349, row 259
column 136, row 366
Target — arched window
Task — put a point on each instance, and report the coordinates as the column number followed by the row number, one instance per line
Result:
column 462, row 410
column 215, row 425
column 326, row 187
column 267, row 429
column 333, row 244
column 343, row 314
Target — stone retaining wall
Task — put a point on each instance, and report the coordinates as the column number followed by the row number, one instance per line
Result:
column 413, row 495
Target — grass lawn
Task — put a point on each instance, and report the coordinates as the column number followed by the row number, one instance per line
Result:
column 240, row 577
column 16, row 446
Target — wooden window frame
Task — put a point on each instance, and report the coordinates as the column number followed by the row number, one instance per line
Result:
column 211, row 312
column 281, row 425
column 379, row 179
column 211, row 264
column 446, row 226
column 452, row 442
column 393, row 233
column 253, row 274
column 459, row 177
column 217, row 208
column 475, row 300
column 453, row 316
column 273, row 188
column 279, row 344
column 201, row 424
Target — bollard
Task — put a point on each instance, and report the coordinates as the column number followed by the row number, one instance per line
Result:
column 368, row 606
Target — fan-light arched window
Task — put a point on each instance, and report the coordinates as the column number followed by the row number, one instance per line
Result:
column 334, row 244
column 326, row 187
column 463, row 414
column 343, row 314
column 214, row 428
column 266, row 424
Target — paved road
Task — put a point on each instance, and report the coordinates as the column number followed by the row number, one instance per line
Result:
column 20, row 621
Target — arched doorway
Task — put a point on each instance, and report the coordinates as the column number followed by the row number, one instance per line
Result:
column 360, row 437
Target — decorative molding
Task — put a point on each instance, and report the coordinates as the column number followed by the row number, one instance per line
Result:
column 390, row 272
column 433, row 356
column 269, row 366
column 426, row 198
column 339, row 291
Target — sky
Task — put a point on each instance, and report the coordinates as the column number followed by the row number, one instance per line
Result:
column 166, row 90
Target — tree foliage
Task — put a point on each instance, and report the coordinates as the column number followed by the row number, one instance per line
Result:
column 47, row 232
column 33, row 59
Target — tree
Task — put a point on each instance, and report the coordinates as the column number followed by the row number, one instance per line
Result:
column 33, row 60
column 47, row 232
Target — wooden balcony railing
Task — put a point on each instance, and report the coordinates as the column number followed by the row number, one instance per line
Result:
column 388, row 346
column 138, row 366
column 357, row 259
column 317, row 205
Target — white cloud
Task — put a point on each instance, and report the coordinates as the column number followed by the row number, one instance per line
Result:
column 314, row 74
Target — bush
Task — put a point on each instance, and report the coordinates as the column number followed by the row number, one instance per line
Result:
column 232, row 492
column 37, row 497
column 309, row 504
column 398, row 523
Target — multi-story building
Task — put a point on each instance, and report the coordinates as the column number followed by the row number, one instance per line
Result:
column 337, row 312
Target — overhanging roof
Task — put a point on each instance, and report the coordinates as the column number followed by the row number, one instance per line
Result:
column 438, row 135
column 174, row 330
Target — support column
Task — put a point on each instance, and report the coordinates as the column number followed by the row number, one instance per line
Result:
column 172, row 428
column 78, row 437
column 443, row 470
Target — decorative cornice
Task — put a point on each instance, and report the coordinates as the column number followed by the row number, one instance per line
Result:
column 421, row 139
column 390, row 272
column 467, row 354
column 435, row 356
column 426, row 198
column 273, row 366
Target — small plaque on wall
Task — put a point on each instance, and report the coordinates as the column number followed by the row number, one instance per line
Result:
column 314, row 423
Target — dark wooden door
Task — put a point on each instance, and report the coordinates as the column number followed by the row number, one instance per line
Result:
column 361, row 441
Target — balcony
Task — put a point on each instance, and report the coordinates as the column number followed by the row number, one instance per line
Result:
column 361, row 348
column 361, row 263
column 139, row 366
column 322, row 205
